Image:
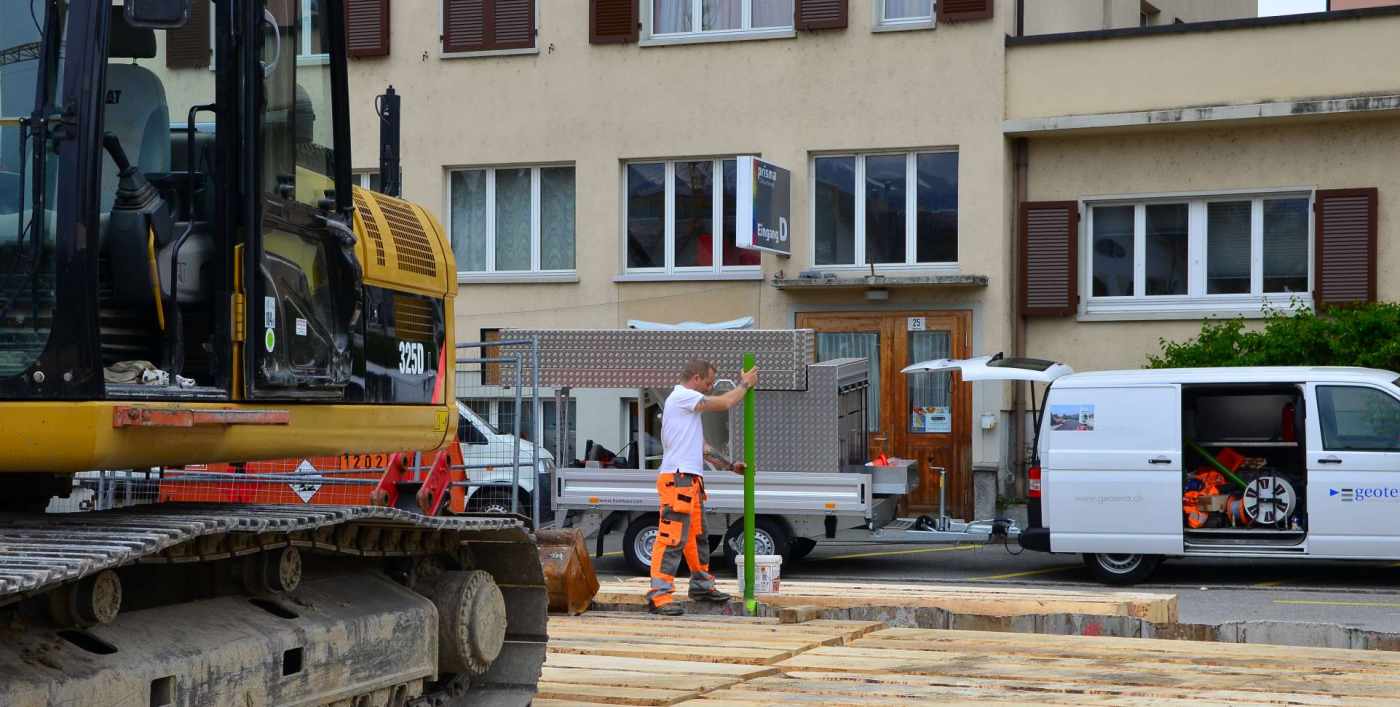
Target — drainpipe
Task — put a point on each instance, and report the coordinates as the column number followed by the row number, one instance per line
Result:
column 1016, row 459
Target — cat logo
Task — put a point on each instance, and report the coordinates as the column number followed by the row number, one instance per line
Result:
column 114, row 97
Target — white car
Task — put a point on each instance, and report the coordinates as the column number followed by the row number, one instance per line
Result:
column 489, row 457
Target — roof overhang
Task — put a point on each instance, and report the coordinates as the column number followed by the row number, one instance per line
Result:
column 1336, row 106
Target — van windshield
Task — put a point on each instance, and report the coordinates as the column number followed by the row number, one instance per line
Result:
column 470, row 414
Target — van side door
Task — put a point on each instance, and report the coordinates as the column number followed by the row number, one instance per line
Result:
column 1112, row 469
column 1353, row 458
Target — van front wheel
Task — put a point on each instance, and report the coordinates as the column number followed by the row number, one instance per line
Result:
column 1121, row 569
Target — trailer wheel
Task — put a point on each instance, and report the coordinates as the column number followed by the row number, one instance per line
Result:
column 638, row 541
column 1121, row 569
column 770, row 537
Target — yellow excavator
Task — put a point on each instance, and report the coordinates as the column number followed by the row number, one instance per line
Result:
column 189, row 275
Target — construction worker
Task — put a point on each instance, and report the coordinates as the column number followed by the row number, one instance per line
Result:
column 681, row 487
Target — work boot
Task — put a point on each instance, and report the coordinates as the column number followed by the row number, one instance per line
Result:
column 669, row 609
column 712, row 595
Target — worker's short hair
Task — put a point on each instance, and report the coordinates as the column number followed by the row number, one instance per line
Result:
column 696, row 367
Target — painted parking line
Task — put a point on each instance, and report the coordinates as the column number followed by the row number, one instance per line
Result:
column 614, row 553
column 1030, row 573
column 1324, row 602
column 889, row 553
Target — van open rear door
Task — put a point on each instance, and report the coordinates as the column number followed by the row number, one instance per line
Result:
column 995, row 368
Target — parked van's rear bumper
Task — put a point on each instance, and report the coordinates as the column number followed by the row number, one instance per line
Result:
column 1037, row 539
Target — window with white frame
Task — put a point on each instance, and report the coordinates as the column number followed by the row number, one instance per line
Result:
column 717, row 18
column 893, row 209
column 1233, row 249
column 904, row 13
column 512, row 219
column 680, row 218
column 368, row 179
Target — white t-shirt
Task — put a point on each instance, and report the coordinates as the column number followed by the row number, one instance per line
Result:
column 682, row 435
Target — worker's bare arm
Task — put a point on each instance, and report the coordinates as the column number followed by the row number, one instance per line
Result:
column 720, row 403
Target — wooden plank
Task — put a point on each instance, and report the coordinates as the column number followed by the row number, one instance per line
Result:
column 981, row 601
column 1278, row 677
column 545, row 702
column 682, row 667
column 1045, row 690
column 691, row 638
column 612, row 695
column 1111, row 644
column 626, row 679
column 698, row 653
column 1067, row 649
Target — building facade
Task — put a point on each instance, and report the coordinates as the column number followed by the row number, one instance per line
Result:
column 582, row 156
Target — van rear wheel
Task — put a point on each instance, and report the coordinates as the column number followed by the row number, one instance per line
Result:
column 1122, row 569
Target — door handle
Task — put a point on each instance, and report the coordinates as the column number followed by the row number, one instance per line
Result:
column 1329, row 460
column 1159, row 460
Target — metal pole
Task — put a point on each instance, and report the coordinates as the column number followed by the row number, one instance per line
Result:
column 750, row 604
column 538, row 433
column 515, row 456
column 942, row 495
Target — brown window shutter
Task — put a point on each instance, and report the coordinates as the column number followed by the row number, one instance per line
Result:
column 367, row 27
column 1346, row 246
column 964, row 10
column 612, row 21
column 512, row 24
column 1049, row 233
column 821, row 14
column 188, row 47
column 464, row 25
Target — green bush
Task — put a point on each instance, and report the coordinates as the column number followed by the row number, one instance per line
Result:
column 1361, row 335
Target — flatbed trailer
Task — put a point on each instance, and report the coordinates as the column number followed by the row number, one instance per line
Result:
column 812, row 482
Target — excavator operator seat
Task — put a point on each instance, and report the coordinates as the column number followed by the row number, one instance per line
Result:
column 136, row 109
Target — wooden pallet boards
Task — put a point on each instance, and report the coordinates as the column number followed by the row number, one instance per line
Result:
column 597, row 662
column 808, row 597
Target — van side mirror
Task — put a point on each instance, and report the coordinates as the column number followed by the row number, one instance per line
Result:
column 158, row 14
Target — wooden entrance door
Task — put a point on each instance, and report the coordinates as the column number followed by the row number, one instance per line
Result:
column 926, row 418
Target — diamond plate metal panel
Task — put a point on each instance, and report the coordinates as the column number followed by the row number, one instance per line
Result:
column 629, row 358
column 800, row 430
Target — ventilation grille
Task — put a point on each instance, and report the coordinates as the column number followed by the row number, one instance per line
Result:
column 411, row 245
column 413, row 318
column 371, row 226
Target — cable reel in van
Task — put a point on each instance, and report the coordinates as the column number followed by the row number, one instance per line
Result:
column 1269, row 500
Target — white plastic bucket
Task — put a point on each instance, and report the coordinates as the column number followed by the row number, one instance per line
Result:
column 767, row 571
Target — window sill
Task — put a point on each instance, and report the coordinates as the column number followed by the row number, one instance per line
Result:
column 903, row 26
column 488, row 53
column 313, row 59
column 749, row 276
column 667, row 40
column 510, row 278
column 1190, row 308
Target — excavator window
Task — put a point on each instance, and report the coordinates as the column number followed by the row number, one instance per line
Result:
column 29, row 86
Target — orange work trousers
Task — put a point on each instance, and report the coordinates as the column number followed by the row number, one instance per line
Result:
column 681, row 532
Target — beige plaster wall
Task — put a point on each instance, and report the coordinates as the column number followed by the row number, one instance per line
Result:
column 1342, row 57
column 1054, row 16
column 1315, row 154
column 595, row 106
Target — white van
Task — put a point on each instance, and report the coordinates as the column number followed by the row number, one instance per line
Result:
column 1128, row 464
column 489, row 456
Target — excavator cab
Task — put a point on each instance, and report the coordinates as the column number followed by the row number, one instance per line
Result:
column 178, row 225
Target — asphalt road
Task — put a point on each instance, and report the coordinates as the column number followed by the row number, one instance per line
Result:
column 1212, row 591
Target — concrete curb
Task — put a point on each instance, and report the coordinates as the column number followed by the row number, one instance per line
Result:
column 1284, row 633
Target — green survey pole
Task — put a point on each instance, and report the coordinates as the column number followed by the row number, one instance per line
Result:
column 750, row 604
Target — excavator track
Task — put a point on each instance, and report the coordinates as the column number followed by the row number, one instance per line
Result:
column 385, row 630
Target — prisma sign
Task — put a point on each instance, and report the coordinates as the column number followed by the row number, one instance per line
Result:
column 764, row 206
